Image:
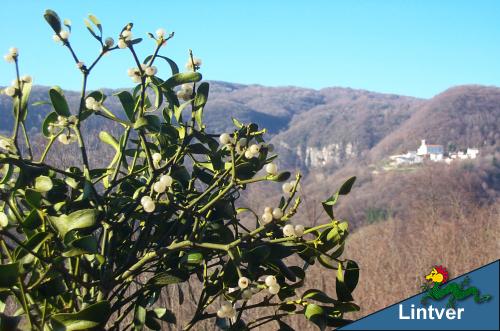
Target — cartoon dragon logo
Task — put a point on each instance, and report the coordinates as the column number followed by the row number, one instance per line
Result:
column 436, row 290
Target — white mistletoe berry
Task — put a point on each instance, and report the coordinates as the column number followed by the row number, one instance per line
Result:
column 166, row 180
column 274, row 289
column 190, row 62
column 287, row 188
column 299, row 230
column 277, row 213
column 288, row 230
column 225, row 139
column 243, row 282
column 148, row 204
column 248, row 154
column 132, row 72
column 13, row 51
column 63, row 139
column 267, row 218
column 268, row 210
column 151, row 71
column 160, row 33
column 9, row 58
column 64, row 34
column 10, row 91
column 221, row 314
column 122, row 44
column 156, row 157
column 271, row 280
column 127, row 35
column 254, row 149
column 187, row 87
column 158, row 187
column 109, row 42
column 90, row 102
column 26, row 79
column 271, row 169
column 186, row 92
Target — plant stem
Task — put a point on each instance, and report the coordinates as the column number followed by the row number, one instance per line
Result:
column 214, row 200
column 25, row 302
column 18, row 113
column 27, row 139
column 47, row 148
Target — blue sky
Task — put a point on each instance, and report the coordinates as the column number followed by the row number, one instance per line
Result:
column 417, row 48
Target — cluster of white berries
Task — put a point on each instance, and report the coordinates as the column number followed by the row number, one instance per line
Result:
column 4, row 220
column 193, row 64
column 186, row 92
column 159, row 187
column 289, row 230
column 63, row 35
column 148, row 204
column 11, row 55
column 226, row 310
column 162, row 185
column 125, row 37
column 252, row 151
column 272, row 285
column 92, row 104
column 288, row 187
column 270, row 214
column 16, row 85
column 67, row 138
column 135, row 73
column 62, row 122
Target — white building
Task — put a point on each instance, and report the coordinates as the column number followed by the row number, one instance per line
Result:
column 472, row 152
column 433, row 152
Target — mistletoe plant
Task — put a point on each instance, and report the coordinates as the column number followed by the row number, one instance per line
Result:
column 92, row 248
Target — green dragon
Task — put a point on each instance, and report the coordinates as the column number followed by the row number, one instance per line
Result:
column 436, row 290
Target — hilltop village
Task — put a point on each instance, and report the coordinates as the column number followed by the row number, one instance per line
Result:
column 432, row 153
